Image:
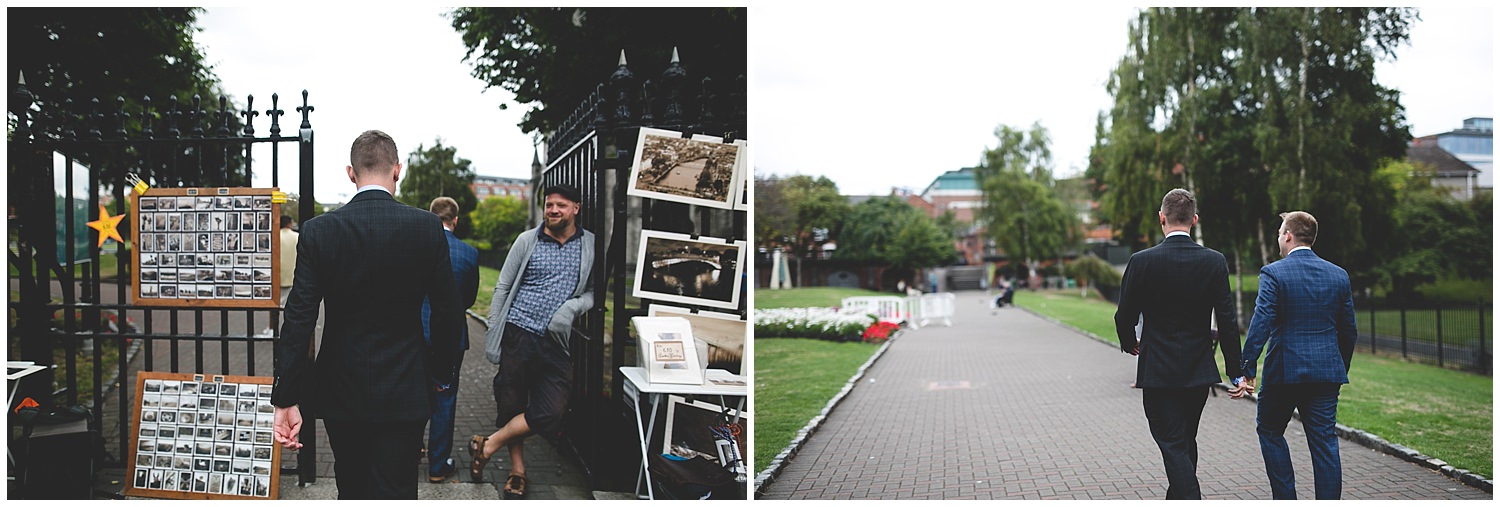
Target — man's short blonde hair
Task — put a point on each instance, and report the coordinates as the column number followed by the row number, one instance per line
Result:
column 1302, row 225
column 444, row 207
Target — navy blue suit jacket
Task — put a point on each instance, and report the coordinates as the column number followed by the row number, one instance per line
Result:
column 1304, row 315
column 370, row 264
column 465, row 260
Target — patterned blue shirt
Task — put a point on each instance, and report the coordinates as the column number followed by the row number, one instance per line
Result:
column 550, row 276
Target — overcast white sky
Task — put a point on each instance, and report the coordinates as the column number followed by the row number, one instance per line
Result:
column 397, row 68
column 877, row 99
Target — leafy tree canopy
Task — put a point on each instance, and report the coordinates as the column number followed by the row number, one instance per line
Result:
column 435, row 172
column 131, row 53
column 553, row 57
column 1022, row 210
column 891, row 231
column 497, row 221
column 1256, row 111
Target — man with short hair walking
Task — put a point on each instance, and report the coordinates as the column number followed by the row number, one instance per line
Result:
column 371, row 263
column 1304, row 314
column 465, row 260
column 1174, row 289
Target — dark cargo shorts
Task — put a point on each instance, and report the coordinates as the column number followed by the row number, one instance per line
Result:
column 533, row 379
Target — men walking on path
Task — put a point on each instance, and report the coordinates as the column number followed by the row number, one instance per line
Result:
column 1013, row 406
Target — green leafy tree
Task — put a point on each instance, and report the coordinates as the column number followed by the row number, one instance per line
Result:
column 774, row 219
column 1442, row 237
column 889, row 230
column 1090, row 269
column 438, row 171
column 1233, row 104
column 818, row 212
column 553, row 57
column 131, row 53
column 497, row 221
column 798, row 213
column 1022, row 210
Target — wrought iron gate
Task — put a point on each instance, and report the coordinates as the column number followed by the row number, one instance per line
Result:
column 592, row 151
column 196, row 147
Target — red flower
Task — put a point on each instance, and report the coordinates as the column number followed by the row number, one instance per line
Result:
column 880, row 332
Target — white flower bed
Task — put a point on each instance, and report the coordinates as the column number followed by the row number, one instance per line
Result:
column 821, row 323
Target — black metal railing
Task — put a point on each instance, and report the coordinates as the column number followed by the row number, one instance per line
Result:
column 166, row 148
column 592, row 150
column 1454, row 336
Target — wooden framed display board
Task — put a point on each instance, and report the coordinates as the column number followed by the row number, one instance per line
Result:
column 203, row 437
column 213, row 247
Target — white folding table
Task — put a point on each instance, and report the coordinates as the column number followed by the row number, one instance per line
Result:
column 636, row 385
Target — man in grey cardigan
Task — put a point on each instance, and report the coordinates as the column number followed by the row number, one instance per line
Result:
column 544, row 286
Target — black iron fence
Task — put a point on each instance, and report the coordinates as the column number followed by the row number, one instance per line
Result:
column 1456, row 336
column 65, row 307
column 592, row 151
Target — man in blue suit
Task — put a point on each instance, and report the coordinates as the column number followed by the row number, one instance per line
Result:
column 1304, row 315
column 465, row 260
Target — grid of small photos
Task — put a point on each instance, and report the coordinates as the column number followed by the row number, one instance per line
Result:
column 205, row 437
column 205, row 247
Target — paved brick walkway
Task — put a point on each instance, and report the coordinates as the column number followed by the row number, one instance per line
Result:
column 1009, row 405
column 551, row 474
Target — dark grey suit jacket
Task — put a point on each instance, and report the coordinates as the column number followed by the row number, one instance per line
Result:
column 1176, row 286
column 370, row 263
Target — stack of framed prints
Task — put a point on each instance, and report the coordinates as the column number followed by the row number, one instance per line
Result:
column 206, row 247
column 203, row 437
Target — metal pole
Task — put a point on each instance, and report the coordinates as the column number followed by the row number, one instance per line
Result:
column 1403, row 330
column 1439, row 316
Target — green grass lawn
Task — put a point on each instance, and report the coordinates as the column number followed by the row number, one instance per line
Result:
column 809, row 297
column 488, row 277
column 794, row 379
column 1443, row 413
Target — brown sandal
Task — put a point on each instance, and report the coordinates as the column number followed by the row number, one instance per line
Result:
column 477, row 460
column 515, row 487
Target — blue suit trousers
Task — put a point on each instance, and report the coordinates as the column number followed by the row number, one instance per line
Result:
column 1318, row 405
column 440, row 431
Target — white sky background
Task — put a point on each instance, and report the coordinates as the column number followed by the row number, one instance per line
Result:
column 876, row 99
column 397, row 68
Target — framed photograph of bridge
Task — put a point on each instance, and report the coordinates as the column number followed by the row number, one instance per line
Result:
column 700, row 271
column 203, row 437
column 702, row 170
column 205, row 247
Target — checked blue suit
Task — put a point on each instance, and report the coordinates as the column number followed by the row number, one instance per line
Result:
column 465, row 260
column 1304, row 317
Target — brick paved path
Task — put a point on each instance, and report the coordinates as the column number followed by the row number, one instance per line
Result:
column 1009, row 405
column 550, row 473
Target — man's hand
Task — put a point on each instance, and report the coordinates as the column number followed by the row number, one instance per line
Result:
column 1245, row 387
column 287, row 427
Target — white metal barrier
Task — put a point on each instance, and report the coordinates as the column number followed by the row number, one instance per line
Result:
column 914, row 311
column 932, row 307
column 886, row 308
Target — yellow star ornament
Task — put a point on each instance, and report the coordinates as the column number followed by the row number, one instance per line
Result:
column 107, row 226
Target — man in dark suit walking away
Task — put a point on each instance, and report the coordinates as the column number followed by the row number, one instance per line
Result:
column 465, row 260
column 371, row 263
column 1304, row 313
column 1175, row 288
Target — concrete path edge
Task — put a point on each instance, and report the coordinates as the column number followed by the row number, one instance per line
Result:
column 1355, row 435
column 764, row 479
